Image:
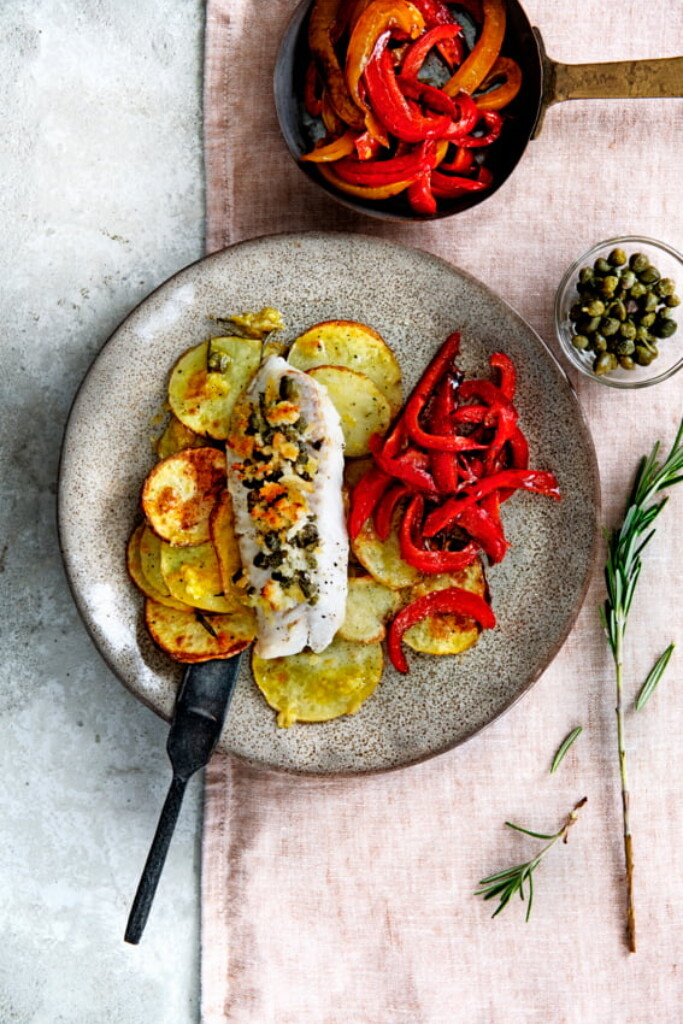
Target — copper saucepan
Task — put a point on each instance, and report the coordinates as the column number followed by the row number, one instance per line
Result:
column 544, row 82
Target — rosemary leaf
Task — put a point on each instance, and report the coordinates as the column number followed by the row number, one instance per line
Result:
column 564, row 747
column 536, row 835
column 650, row 684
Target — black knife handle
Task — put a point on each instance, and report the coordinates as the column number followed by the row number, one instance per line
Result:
column 155, row 861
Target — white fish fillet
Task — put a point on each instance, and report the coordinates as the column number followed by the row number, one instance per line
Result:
column 292, row 524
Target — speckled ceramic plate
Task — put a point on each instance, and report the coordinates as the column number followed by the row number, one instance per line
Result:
column 414, row 300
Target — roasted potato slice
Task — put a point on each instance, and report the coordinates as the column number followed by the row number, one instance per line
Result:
column 382, row 559
column 180, row 492
column 138, row 575
column 207, row 379
column 193, row 576
column 175, row 437
column 309, row 687
column 446, row 633
column 222, row 528
column 368, row 606
column 355, row 346
column 363, row 409
column 199, row 636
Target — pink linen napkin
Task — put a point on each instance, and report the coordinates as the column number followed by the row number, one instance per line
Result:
column 350, row 901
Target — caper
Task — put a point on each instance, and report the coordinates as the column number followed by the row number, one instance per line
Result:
column 580, row 341
column 665, row 312
column 575, row 312
column 617, row 309
column 638, row 262
column 628, row 329
column 666, row 286
column 644, row 356
column 638, row 290
column 649, row 302
column 595, row 308
column 624, row 347
column 647, row 319
column 673, row 300
column 601, row 266
column 628, row 279
column 605, row 362
column 650, row 275
column 609, row 325
column 617, row 258
column 663, row 327
column 586, row 275
column 642, row 334
column 588, row 324
column 627, row 363
column 608, row 285
column 599, row 342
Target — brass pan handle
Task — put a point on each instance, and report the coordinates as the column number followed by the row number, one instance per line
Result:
column 621, row 79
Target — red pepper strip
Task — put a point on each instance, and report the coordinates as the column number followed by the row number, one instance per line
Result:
column 469, row 117
column 484, row 390
column 505, row 427
column 438, row 442
column 471, row 414
column 369, row 193
column 527, row 479
column 452, row 600
column 435, row 13
column 375, row 24
column 312, row 100
column 461, row 162
column 367, row 146
column 384, row 513
column 384, row 172
column 519, row 457
column 407, row 469
column 421, row 197
column 418, row 556
column 365, row 497
column 428, row 95
column 417, row 52
column 508, row 374
column 494, row 123
column 391, row 107
column 444, row 464
column 486, row 531
column 446, row 186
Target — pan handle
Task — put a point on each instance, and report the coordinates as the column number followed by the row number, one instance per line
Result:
column 627, row 79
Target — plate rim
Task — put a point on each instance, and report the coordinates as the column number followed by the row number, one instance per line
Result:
column 350, row 236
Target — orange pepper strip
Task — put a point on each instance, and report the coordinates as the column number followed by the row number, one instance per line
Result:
column 321, row 30
column 333, row 150
column 363, row 191
column 497, row 98
column 474, row 70
column 380, row 18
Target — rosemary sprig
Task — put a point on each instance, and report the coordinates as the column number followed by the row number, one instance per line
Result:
column 650, row 684
column 564, row 747
column 505, row 884
column 625, row 545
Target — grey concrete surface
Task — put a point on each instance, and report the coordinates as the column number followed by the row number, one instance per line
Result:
column 101, row 200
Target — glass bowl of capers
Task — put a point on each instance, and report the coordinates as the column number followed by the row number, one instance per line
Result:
column 617, row 310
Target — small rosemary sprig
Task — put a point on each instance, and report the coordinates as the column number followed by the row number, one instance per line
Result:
column 625, row 545
column 564, row 747
column 505, row 884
